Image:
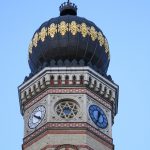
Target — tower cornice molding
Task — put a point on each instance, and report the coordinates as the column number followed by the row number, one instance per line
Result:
column 92, row 80
column 74, row 128
column 68, row 70
column 76, row 90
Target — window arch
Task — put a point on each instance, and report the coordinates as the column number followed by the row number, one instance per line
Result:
column 90, row 80
column 44, row 80
column 59, row 80
column 81, row 79
column 95, row 84
column 66, row 79
column 52, row 80
column 74, row 79
column 34, row 88
column 25, row 94
column 39, row 85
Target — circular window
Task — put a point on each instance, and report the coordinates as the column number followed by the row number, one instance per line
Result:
column 67, row 109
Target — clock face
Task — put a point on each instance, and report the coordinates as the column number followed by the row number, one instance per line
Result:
column 98, row 116
column 36, row 116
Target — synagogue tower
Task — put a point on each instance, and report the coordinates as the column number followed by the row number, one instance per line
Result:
column 68, row 101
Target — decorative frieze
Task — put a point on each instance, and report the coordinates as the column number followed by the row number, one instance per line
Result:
column 55, row 129
column 60, row 81
column 69, row 91
column 68, row 82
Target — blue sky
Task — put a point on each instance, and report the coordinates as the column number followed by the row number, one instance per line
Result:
column 126, row 24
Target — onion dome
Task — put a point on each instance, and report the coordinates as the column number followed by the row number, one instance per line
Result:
column 69, row 40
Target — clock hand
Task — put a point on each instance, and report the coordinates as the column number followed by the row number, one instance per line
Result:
column 37, row 117
column 98, row 116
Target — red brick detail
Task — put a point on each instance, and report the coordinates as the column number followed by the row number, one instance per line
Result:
column 54, row 128
column 66, row 82
column 67, row 147
column 69, row 91
column 76, row 147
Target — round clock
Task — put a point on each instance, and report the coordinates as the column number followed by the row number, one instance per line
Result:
column 98, row 116
column 36, row 116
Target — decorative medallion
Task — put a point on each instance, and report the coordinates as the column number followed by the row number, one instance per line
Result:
column 101, row 39
column 93, row 33
column 43, row 34
column 35, row 39
column 84, row 30
column 98, row 116
column 63, row 28
column 52, row 30
column 67, row 109
column 73, row 27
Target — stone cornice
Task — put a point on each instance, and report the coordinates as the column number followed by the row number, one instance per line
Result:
column 68, row 70
column 91, row 80
column 67, row 91
column 74, row 128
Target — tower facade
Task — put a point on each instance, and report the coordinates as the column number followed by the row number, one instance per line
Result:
column 68, row 102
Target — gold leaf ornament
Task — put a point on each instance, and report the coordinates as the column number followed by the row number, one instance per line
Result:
column 74, row 27
column 84, row 30
column 93, row 33
column 35, row 40
column 109, row 55
column 101, row 39
column 30, row 47
column 43, row 34
column 63, row 28
column 52, row 30
column 107, row 48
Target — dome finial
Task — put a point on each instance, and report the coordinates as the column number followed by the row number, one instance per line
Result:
column 68, row 8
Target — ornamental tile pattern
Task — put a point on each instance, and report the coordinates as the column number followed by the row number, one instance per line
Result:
column 69, row 91
column 86, row 129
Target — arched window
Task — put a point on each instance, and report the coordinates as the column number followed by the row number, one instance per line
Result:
column 25, row 94
column 52, row 80
column 100, row 87
column 44, row 82
column 105, row 90
column 67, row 80
column 39, row 85
column 30, row 93
column 81, row 79
column 74, row 79
column 90, row 80
column 110, row 93
column 95, row 84
column 34, row 88
column 59, row 80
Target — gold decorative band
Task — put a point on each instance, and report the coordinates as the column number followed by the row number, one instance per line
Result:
column 72, row 27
